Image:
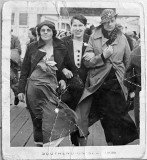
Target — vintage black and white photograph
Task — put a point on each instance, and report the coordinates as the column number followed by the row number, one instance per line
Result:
column 73, row 77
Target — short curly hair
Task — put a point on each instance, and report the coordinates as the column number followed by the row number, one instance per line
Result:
column 79, row 17
column 49, row 24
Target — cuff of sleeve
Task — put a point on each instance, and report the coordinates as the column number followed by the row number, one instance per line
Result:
column 103, row 58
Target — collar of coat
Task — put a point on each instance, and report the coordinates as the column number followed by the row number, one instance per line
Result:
column 56, row 43
column 98, row 34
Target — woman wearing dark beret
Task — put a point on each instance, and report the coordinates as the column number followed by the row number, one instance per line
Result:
column 39, row 80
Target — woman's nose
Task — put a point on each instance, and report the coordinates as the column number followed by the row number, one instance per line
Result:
column 78, row 28
column 45, row 31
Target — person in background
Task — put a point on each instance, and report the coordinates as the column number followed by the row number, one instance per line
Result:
column 73, row 64
column 130, row 38
column 92, row 28
column 130, row 41
column 135, row 35
column 15, row 63
column 106, row 57
column 32, row 35
column 88, row 31
column 133, row 80
column 138, row 41
column 61, row 34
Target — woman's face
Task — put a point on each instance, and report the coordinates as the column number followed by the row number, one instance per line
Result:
column 77, row 28
column 46, row 33
column 109, row 26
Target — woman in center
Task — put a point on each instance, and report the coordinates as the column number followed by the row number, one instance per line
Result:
column 73, row 67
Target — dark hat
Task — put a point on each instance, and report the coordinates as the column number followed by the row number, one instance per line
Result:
column 50, row 24
column 46, row 22
column 107, row 15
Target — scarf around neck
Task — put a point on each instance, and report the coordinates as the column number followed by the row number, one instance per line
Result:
column 113, row 35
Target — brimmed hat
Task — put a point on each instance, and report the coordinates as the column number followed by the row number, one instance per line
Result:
column 107, row 15
column 49, row 24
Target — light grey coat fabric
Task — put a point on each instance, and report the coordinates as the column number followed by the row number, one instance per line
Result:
column 98, row 69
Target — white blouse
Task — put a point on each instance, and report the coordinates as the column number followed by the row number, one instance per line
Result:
column 77, row 45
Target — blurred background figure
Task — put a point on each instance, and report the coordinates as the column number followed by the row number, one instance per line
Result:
column 15, row 65
column 133, row 80
column 90, row 30
column 32, row 35
column 61, row 34
column 135, row 35
column 130, row 38
column 68, row 33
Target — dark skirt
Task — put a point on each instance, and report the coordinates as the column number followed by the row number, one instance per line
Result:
column 109, row 105
column 52, row 119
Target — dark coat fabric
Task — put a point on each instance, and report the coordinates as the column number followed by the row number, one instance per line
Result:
column 133, row 80
column 34, row 55
column 69, row 64
column 69, row 58
column 133, row 71
column 15, row 43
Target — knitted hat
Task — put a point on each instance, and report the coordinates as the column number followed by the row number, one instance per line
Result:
column 107, row 15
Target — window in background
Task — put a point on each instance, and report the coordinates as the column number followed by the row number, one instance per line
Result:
column 12, row 18
column 23, row 19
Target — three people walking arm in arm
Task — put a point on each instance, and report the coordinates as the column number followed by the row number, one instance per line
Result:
column 97, row 64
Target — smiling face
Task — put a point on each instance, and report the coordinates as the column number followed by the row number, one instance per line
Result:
column 77, row 28
column 109, row 26
column 46, row 33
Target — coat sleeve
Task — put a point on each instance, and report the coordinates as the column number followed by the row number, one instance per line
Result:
column 127, row 53
column 97, row 60
column 129, row 78
column 65, row 56
column 25, row 71
column 60, row 62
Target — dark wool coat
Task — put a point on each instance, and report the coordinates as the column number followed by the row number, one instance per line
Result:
column 69, row 58
column 133, row 71
column 34, row 55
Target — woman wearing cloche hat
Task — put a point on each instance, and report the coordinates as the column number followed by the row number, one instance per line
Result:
column 106, row 57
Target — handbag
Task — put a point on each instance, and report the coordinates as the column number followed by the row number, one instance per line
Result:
column 75, row 83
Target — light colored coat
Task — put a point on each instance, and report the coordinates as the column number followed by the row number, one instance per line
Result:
column 98, row 69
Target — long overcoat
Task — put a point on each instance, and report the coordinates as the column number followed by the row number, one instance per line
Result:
column 98, row 69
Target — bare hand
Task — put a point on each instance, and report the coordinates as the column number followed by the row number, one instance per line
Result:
column 132, row 95
column 62, row 84
column 88, row 56
column 21, row 97
column 108, row 52
column 67, row 73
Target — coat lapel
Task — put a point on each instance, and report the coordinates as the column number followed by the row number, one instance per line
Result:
column 70, row 50
column 85, row 41
column 37, row 57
